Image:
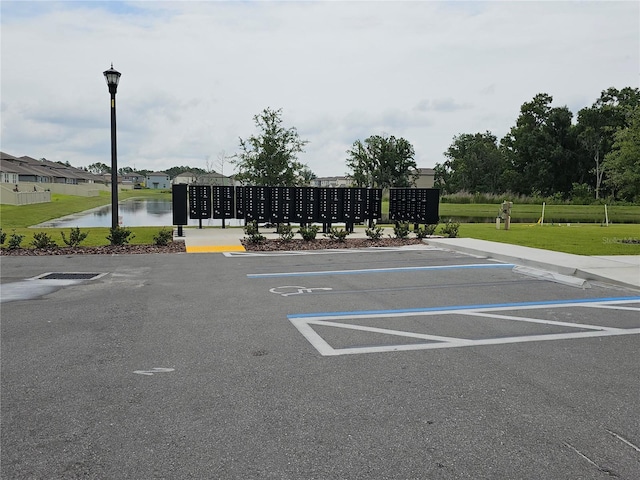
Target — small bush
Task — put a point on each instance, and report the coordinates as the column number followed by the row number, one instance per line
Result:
column 15, row 240
column 120, row 235
column 285, row 232
column 337, row 234
column 76, row 237
column 252, row 233
column 401, row 230
column 374, row 233
column 3, row 237
column 309, row 233
column 43, row 241
column 163, row 237
column 426, row 231
column 450, row 229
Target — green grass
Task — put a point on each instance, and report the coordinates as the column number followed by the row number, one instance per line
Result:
column 97, row 235
column 483, row 212
column 580, row 239
column 552, row 213
column 587, row 238
column 19, row 216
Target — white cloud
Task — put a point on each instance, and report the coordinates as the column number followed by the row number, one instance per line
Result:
column 195, row 73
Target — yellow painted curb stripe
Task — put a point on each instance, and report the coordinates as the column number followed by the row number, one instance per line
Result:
column 214, row 248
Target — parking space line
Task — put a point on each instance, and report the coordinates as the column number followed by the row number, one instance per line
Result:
column 305, row 323
column 537, row 320
column 380, row 270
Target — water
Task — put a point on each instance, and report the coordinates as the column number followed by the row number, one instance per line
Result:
column 133, row 213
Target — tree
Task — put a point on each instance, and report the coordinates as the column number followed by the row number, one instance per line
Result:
column 622, row 163
column 474, row 164
column 306, row 175
column 540, row 149
column 270, row 157
column 382, row 162
column 598, row 124
column 99, row 168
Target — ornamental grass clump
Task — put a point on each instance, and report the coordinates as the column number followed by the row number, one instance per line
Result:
column 309, row 232
column 337, row 234
column 76, row 237
column 43, row 241
column 252, row 233
column 374, row 233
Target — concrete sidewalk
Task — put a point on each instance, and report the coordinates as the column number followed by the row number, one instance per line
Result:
column 620, row 270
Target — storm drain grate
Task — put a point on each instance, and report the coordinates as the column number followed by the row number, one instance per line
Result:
column 69, row 276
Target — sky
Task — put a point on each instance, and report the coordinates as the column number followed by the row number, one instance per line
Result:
column 195, row 73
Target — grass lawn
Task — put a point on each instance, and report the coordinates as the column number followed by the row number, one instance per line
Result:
column 19, row 216
column 578, row 238
column 587, row 238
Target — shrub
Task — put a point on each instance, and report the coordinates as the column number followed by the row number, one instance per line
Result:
column 120, row 235
column 163, row 237
column 337, row 234
column 3, row 237
column 450, row 229
column 15, row 240
column 426, row 231
column 309, row 233
column 401, row 230
column 43, row 240
column 76, row 237
column 252, row 233
column 285, row 232
column 374, row 233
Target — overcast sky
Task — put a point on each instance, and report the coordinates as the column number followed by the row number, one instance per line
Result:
column 194, row 74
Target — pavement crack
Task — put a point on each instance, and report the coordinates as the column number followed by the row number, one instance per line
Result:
column 591, row 462
column 623, row 440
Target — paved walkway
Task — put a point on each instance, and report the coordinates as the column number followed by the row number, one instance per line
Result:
column 620, row 270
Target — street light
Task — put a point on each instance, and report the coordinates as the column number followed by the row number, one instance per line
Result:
column 113, row 77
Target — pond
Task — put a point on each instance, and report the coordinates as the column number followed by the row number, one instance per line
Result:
column 132, row 213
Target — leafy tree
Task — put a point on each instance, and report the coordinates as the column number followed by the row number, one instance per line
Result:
column 306, row 175
column 382, row 162
column 540, row 149
column 99, row 168
column 598, row 124
column 474, row 163
column 622, row 163
column 270, row 157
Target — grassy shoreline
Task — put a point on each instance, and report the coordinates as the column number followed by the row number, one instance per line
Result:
column 585, row 235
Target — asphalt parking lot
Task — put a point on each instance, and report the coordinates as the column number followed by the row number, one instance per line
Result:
column 413, row 363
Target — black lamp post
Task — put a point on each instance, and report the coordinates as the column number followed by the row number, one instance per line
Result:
column 113, row 77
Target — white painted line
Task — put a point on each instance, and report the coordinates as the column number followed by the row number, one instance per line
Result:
column 537, row 320
column 305, row 323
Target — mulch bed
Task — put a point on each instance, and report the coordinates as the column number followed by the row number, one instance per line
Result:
column 326, row 243
column 174, row 247
column 272, row 245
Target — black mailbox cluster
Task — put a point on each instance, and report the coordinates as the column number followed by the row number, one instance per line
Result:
column 416, row 205
column 303, row 204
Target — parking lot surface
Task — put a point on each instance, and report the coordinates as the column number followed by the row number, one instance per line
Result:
column 408, row 363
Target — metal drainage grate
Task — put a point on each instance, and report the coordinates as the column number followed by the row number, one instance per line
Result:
column 69, row 276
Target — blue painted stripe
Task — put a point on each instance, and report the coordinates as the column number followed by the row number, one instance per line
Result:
column 379, row 270
column 462, row 307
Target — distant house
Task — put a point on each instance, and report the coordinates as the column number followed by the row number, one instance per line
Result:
column 425, row 178
column 133, row 178
column 214, row 178
column 43, row 171
column 331, row 182
column 184, row 178
column 158, row 180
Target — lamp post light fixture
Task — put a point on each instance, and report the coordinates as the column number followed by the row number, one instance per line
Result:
column 113, row 77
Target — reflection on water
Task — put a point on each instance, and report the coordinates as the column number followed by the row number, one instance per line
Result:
column 133, row 213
